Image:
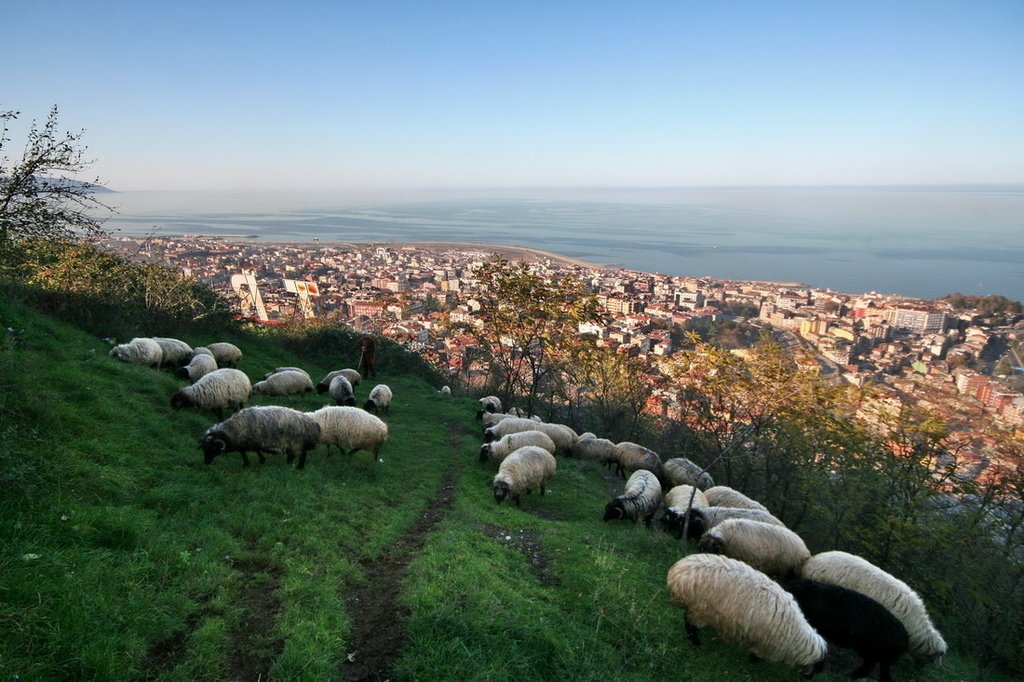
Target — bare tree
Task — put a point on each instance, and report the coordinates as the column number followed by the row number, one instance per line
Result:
column 41, row 195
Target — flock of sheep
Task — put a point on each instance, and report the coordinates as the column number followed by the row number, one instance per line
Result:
column 216, row 385
column 752, row 579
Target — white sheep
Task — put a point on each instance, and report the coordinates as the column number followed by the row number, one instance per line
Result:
column 562, row 435
column 773, row 550
column 220, row 389
column 489, row 419
column 489, row 403
column 704, row 519
column 679, row 497
column 288, row 382
column 724, row 496
column 353, row 377
column 445, row 391
column 632, row 457
column 202, row 350
column 681, row 471
column 503, row 447
column 262, row 429
column 854, row 573
column 639, row 500
column 596, row 449
column 746, row 608
column 226, row 354
column 199, row 366
column 523, row 470
column 350, row 429
column 139, row 351
column 341, row 391
column 175, row 351
column 278, row 370
column 379, row 399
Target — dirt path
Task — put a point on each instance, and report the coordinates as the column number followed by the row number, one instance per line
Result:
column 377, row 636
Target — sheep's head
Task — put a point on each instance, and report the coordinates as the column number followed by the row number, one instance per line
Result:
column 348, row 402
column 811, row 669
column 213, row 443
column 485, row 452
column 697, row 524
column 370, row 405
column 711, row 543
column 321, row 388
column 181, row 372
column 675, row 519
column 180, row 399
column 501, row 490
column 614, row 510
column 488, row 436
column 479, row 413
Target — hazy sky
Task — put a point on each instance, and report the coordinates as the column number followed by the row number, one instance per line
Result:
column 330, row 95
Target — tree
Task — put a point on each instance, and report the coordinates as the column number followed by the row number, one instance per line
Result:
column 40, row 194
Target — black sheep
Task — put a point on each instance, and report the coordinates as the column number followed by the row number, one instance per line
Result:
column 854, row 621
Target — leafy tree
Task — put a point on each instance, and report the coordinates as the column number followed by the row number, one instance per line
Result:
column 41, row 195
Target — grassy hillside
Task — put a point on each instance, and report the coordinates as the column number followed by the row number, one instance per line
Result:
column 125, row 558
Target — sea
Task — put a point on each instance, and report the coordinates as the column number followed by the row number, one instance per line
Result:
column 923, row 242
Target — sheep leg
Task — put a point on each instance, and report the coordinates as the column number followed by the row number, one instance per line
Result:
column 263, row 460
column 290, row 457
column 302, row 460
column 245, row 459
column 542, row 489
column 517, row 501
column 693, row 634
column 865, row 668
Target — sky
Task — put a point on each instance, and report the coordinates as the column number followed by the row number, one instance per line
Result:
column 386, row 95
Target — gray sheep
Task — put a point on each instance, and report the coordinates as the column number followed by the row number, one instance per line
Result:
column 639, row 500
column 631, row 457
column 489, row 403
column 199, row 366
column 341, row 391
column 226, row 354
column 596, row 449
column 773, row 550
column 262, row 429
column 288, row 382
column 175, row 351
column 379, row 399
column 523, row 470
column 681, row 471
column 350, row 429
column 703, row 520
column 353, row 377
column 724, row 496
column 562, row 435
column 219, row 390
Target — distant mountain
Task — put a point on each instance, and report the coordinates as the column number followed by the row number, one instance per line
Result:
column 98, row 189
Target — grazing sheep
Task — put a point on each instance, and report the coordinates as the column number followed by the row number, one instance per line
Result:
column 724, row 496
column 597, row 449
column 852, row 620
column 199, row 366
column 631, row 457
column 139, row 351
column 703, row 520
column 855, row 573
column 288, row 382
column 746, row 608
column 639, row 500
column 262, row 429
column 679, row 496
column 350, row 429
column 523, row 470
column 501, row 448
column 202, row 350
column 490, row 403
column 278, row 370
column 380, row 399
column 226, row 354
column 175, row 352
column 774, row 550
column 489, row 419
column 562, row 435
column 351, row 375
column 681, row 471
column 341, row 391
column 220, row 389
column 445, row 392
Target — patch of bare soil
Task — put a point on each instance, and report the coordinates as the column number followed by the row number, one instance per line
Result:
column 254, row 646
column 528, row 543
column 545, row 514
column 377, row 636
column 165, row 654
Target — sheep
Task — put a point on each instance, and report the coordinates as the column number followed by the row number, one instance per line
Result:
column 350, row 429
column 351, row 375
column 445, row 392
column 226, row 354
column 379, row 399
column 341, row 391
column 639, row 500
column 199, row 366
column 681, row 471
column 288, row 382
column 139, row 351
column 854, row 573
column 221, row 388
column 773, row 550
column 523, row 470
column 278, row 370
column 703, row 520
column 562, row 435
column 631, row 457
column 501, row 448
column 202, row 350
column 490, row 403
column 597, row 449
column 746, row 608
column 679, row 496
column 175, row 352
column 852, row 620
column 724, row 496
column 262, row 429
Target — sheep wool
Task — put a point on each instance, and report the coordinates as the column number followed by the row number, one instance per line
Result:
column 219, row 390
column 597, row 449
column 139, row 351
column 631, row 457
column 325, row 384
column 638, row 501
column 262, row 429
column 490, row 403
column 278, row 370
column 503, row 447
column 199, row 366
column 202, row 350
column 354, row 377
column 175, row 351
column 724, row 496
column 379, row 399
column 773, row 550
column 523, row 470
column 679, row 497
column 746, row 608
column 445, row 391
column 854, row 573
column 226, row 354
column 681, row 471
column 350, row 429
column 703, row 520
column 288, row 382
column 563, row 436
column 341, row 391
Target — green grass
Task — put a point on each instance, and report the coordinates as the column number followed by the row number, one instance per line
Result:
column 123, row 557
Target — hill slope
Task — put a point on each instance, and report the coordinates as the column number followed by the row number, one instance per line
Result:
column 124, row 557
